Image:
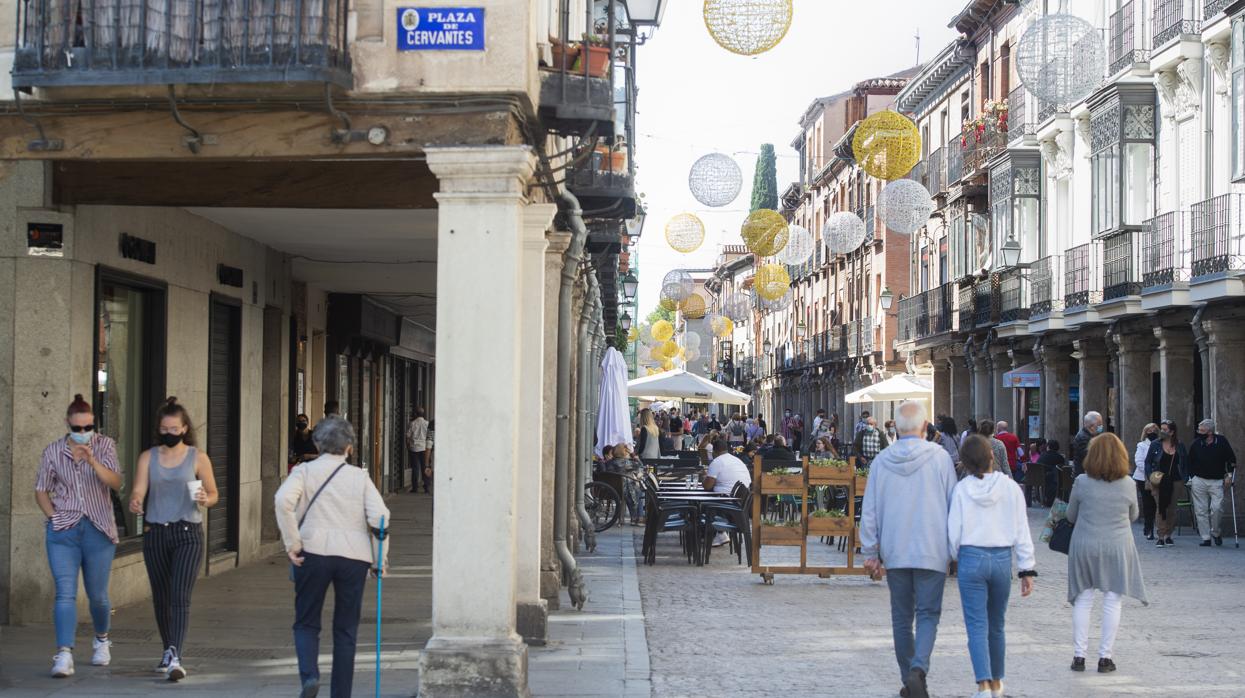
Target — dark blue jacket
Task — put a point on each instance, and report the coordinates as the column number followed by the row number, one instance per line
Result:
column 1156, row 452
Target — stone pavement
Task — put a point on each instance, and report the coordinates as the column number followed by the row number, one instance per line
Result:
column 240, row 642
column 717, row 631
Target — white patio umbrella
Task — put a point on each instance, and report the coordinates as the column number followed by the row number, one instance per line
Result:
column 901, row 387
column 685, row 386
column 613, row 417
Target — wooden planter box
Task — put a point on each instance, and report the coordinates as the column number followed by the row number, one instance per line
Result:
column 861, row 482
column 771, row 482
column 829, row 475
column 829, row 526
column 782, row 535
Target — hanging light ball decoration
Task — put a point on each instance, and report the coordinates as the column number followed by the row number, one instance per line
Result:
column 662, row 331
column 843, row 232
column 780, row 304
column 666, row 302
column 692, row 355
column 799, row 247
column 1061, row 59
column 693, row 307
column 667, row 365
column 669, row 350
column 887, row 145
column 677, row 284
column 905, row 205
column 633, row 334
column 685, row 232
column 692, row 340
column 739, row 307
column 656, row 354
column 748, row 27
column 715, row 180
column 765, row 232
column 771, row 281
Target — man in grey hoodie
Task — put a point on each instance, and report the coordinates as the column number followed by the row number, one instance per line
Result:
column 903, row 529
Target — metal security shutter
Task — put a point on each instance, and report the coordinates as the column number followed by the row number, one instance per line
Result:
column 224, row 357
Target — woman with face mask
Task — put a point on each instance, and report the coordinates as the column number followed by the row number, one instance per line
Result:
column 71, row 489
column 1166, row 462
column 174, row 479
column 1149, row 433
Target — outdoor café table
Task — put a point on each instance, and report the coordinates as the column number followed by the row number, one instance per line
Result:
column 697, row 500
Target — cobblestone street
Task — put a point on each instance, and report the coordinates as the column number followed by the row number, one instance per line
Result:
column 717, row 631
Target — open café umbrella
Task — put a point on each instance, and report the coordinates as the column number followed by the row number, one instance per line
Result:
column 613, row 417
column 902, row 387
column 685, row 386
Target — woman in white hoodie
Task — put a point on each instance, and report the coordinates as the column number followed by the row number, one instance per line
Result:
column 986, row 524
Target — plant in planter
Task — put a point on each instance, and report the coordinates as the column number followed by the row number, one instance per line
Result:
column 782, row 478
column 597, row 50
column 829, row 521
column 564, row 54
column 781, row 532
column 830, row 470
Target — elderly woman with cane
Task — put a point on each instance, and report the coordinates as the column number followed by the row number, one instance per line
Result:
column 327, row 511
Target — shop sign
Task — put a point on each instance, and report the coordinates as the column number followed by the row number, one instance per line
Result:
column 440, row 28
column 45, row 240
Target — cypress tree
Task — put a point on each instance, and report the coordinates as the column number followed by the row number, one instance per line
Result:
column 765, row 181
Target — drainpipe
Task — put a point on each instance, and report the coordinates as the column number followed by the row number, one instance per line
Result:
column 572, row 575
column 583, row 450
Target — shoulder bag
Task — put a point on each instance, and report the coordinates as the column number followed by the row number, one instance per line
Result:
column 314, row 497
column 1061, row 536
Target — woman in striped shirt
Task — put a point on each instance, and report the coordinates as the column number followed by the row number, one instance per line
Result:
column 75, row 475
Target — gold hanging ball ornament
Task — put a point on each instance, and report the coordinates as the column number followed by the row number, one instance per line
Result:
column 843, row 232
column 765, row 232
column 715, row 180
column 771, row 281
column 685, row 233
column 667, row 303
column 667, row 365
column 656, row 353
column 768, row 306
column 662, row 330
column 669, row 350
column 887, row 145
column 724, row 327
column 633, row 334
column 693, row 307
column 748, row 27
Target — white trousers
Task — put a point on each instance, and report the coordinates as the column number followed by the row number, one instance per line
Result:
column 1080, row 623
column 1207, row 505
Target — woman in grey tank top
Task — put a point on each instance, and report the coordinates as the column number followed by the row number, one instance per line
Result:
column 171, row 482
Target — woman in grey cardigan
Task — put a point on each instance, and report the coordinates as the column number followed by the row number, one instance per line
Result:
column 1102, row 555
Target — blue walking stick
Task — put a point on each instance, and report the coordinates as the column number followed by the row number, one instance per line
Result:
column 380, row 584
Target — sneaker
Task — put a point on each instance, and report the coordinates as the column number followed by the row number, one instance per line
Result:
column 1105, row 666
column 1161, row 544
column 311, row 688
column 984, row 694
column 1170, row 542
column 163, row 666
column 998, row 693
column 1078, row 664
column 1218, row 540
column 1150, row 536
column 916, row 684
column 176, row 672
column 62, row 664
column 103, row 651
column 1204, row 544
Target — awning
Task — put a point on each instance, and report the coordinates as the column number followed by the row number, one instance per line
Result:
column 1027, row 376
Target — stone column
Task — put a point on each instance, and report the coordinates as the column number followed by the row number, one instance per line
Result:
column 1004, row 400
column 1225, row 343
column 961, row 390
column 532, row 613
column 1055, row 368
column 1095, row 379
column 1176, row 377
column 474, row 649
column 942, row 388
column 550, row 565
column 1134, row 383
column 983, row 396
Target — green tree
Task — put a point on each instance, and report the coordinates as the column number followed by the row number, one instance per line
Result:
column 765, row 181
column 659, row 313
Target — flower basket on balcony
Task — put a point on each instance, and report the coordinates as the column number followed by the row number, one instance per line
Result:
column 993, row 117
column 830, row 472
column 832, row 522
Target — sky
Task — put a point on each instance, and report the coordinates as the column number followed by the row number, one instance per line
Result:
column 696, row 98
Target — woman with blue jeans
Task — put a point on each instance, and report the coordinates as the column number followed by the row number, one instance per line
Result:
column 986, row 524
column 71, row 489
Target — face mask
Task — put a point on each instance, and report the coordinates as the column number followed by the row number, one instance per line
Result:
column 1099, row 429
column 79, row 437
column 1152, row 436
column 171, row 440
column 302, row 425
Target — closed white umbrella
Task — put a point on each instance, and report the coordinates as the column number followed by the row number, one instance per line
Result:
column 613, row 417
column 685, row 386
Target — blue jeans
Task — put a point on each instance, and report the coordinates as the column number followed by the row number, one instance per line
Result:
column 985, row 576
column 916, row 595
column 311, row 584
column 80, row 547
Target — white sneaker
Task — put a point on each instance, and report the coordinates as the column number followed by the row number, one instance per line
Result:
column 998, row 693
column 163, row 666
column 176, row 671
column 103, row 652
column 62, row 664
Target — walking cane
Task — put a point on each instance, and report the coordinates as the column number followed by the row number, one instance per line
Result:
column 380, row 584
column 1232, row 493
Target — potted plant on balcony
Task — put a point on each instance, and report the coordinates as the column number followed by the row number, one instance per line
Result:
column 564, row 54
column 598, row 51
column 993, row 117
column 612, row 159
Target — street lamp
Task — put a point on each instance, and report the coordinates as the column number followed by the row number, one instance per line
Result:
column 767, row 347
column 625, row 322
column 801, row 330
column 887, row 298
column 645, row 13
column 1010, row 252
column 629, row 285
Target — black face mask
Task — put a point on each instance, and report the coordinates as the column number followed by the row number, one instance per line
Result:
column 1152, row 436
column 302, row 426
column 171, row 440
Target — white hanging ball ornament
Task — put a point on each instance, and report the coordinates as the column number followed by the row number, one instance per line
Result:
column 692, row 340
column 692, row 355
column 715, row 180
column 1061, row 59
column 677, row 284
column 843, row 232
column 739, row 307
column 781, row 303
column 905, row 206
column 799, row 247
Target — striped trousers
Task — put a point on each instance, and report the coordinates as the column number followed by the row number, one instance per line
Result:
column 173, row 554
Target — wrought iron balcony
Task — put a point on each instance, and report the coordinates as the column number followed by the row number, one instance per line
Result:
column 604, row 182
column 985, row 301
column 927, row 314
column 1172, row 18
column 1218, row 235
column 64, row 43
column 1082, row 283
column 1121, row 266
column 965, row 306
column 867, row 336
column 911, row 310
column 1047, row 286
column 1048, row 109
column 1122, row 49
column 1214, row 7
column 1019, row 120
column 955, row 164
column 982, row 144
column 1013, row 296
column 936, row 172
column 852, row 338
column 1165, row 250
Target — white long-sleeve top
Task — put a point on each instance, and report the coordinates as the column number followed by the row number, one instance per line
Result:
column 338, row 523
column 990, row 513
column 1139, row 460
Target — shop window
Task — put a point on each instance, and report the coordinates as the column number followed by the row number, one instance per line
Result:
column 129, row 375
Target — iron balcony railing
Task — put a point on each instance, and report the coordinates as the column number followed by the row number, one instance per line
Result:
column 955, row 164
column 940, row 309
column 1165, row 250
column 936, row 172
column 981, row 145
column 838, row 343
column 163, row 42
column 1218, row 235
column 1013, row 296
column 985, row 301
column 1214, row 7
column 853, row 338
column 1122, row 50
column 1048, row 109
column 1046, row 293
column 967, row 296
column 911, row 310
column 867, row 336
column 1019, row 119
column 1121, row 266
column 1172, row 18
column 1082, row 283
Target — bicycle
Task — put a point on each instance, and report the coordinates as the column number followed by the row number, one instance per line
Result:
column 604, row 505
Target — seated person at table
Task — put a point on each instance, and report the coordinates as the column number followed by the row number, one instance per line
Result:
column 724, row 472
column 779, row 451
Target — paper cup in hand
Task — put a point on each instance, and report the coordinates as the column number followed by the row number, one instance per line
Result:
column 194, row 486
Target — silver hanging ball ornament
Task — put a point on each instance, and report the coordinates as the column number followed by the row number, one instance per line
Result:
column 1061, row 59
column 843, row 232
column 677, row 284
column 715, row 180
column 799, row 248
column 905, row 206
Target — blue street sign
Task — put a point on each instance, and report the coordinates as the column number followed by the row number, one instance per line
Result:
column 440, row 28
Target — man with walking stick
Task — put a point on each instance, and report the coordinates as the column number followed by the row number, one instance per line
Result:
column 1211, row 465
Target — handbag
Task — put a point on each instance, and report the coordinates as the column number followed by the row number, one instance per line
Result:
column 1061, row 536
column 1156, row 478
column 314, row 497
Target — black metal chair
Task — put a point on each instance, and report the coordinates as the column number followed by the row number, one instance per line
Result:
column 732, row 519
column 664, row 516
